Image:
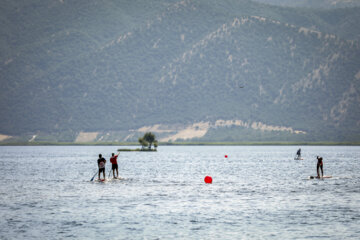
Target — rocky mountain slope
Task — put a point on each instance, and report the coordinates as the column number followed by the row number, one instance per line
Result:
column 112, row 68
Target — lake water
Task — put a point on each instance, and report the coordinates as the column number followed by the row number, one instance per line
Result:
column 258, row 192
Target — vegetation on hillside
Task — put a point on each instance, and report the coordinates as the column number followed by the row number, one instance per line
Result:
column 71, row 66
column 313, row 4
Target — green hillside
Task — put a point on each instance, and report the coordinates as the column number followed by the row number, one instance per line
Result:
column 112, row 66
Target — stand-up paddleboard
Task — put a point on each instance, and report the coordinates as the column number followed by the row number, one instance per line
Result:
column 316, row 177
column 101, row 180
column 113, row 179
column 298, row 158
column 118, row 178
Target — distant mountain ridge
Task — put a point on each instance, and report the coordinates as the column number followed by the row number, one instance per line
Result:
column 314, row 4
column 116, row 67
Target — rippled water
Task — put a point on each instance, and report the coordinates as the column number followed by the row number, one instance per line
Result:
column 258, row 192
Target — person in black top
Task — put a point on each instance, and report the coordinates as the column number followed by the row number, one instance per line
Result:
column 101, row 164
column 298, row 153
column 319, row 166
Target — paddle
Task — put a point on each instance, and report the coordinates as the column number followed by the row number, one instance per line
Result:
column 93, row 176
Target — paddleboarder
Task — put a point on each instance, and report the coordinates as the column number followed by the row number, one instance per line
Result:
column 101, row 164
column 298, row 153
column 319, row 166
column 114, row 166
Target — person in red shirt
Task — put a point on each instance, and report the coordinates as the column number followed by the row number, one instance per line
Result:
column 113, row 161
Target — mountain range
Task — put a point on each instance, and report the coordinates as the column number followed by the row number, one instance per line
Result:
column 320, row 4
column 204, row 70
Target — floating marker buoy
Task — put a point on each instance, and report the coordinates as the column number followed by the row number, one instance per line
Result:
column 208, row 179
column 225, row 156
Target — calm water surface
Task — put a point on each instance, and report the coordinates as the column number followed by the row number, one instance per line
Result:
column 258, row 192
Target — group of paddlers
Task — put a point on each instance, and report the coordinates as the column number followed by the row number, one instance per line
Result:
column 114, row 166
column 319, row 165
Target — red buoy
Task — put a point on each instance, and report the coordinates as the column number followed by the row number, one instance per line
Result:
column 208, row 179
column 225, row 156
